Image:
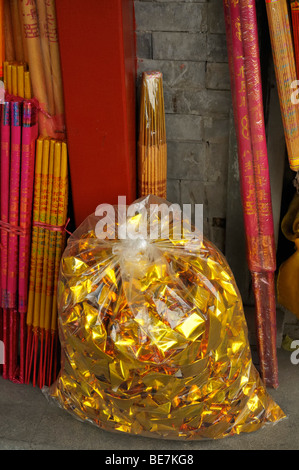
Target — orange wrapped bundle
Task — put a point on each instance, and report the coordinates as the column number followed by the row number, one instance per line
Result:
column 153, row 334
column 152, row 147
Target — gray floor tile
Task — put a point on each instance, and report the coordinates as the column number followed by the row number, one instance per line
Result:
column 29, row 422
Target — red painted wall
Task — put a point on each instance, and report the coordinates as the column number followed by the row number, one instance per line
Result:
column 97, row 46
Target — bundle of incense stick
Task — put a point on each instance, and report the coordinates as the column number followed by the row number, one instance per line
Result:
column 241, row 31
column 41, row 42
column 48, row 241
column 17, row 79
column 18, row 136
column 285, row 69
column 152, row 149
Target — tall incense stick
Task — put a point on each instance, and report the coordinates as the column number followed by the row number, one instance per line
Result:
column 254, row 174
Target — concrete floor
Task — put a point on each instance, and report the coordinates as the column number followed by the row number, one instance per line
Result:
column 29, row 422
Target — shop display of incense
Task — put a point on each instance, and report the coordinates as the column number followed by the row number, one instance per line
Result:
column 242, row 41
column 33, row 218
column 47, row 245
column 286, row 75
column 152, row 149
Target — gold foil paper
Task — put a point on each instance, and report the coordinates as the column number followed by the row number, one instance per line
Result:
column 154, row 338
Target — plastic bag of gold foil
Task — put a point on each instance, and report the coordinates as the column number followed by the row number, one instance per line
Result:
column 152, row 330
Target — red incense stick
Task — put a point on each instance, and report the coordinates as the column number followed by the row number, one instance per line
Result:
column 5, row 168
column 263, row 278
column 29, row 136
column 13, row 243
column 254, row 175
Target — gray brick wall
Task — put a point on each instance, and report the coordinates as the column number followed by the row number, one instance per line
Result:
column 186, row 41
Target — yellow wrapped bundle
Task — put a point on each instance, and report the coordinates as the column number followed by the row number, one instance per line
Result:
column 153, row 333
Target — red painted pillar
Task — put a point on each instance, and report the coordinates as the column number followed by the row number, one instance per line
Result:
column 97, row 46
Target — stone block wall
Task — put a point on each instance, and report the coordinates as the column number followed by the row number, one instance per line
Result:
column 186, row 41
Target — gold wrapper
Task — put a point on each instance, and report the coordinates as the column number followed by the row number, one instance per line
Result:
column 154, row 338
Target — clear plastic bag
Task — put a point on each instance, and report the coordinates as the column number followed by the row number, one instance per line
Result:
column 153, row 334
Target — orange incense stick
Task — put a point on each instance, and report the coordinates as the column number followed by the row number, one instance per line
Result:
column 8, row 31
column 152, row 153
column 44, row 33
column 17, row 30
column 36, row 66
column 55, row 67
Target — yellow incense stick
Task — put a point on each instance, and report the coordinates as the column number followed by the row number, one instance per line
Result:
column 47, row 235
column 44, row 220
column 14, row 80
column 61, row 220
column 9, row 78
column 5, row 64
column 17, row 79
column 41, row 234
column 52, row 241
column 21, row 80
column 27, row 86
column 35, row 230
